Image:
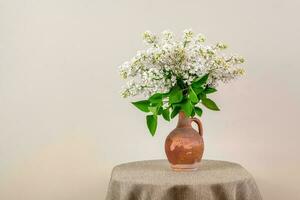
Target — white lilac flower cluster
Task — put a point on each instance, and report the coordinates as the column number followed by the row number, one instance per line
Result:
column 166, row 60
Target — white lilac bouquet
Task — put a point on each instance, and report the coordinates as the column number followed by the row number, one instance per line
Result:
column 177, row 75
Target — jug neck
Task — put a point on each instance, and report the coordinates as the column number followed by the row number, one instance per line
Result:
column 183, row 120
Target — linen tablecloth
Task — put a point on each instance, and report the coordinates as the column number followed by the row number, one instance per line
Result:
column 154, row 180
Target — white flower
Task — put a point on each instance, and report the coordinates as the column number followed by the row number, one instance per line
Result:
column 166, row 60
column 167, row 36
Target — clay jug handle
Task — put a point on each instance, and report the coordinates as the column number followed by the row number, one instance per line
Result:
column 198, row 122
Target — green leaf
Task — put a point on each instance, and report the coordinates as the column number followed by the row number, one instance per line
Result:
column 193, row 113
column 165, row 94
column 210, row 104
column 193, row 96
column 152, row 123
column 200, row 80
column 142, row 105
column 202, row 95
column 175, row 111
column 156, row 98
column 198, row 111
column 187, row 107
column 209, row 90
column 197, row 90
column 175, row 95
column 166, row 114
column 160, row 111
column 153, row 109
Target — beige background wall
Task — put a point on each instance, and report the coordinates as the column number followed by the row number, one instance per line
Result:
column 63, row 125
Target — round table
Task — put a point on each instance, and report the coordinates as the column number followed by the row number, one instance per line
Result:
column 154, row 180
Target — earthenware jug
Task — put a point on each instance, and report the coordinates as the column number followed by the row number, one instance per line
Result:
column 184, row 146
